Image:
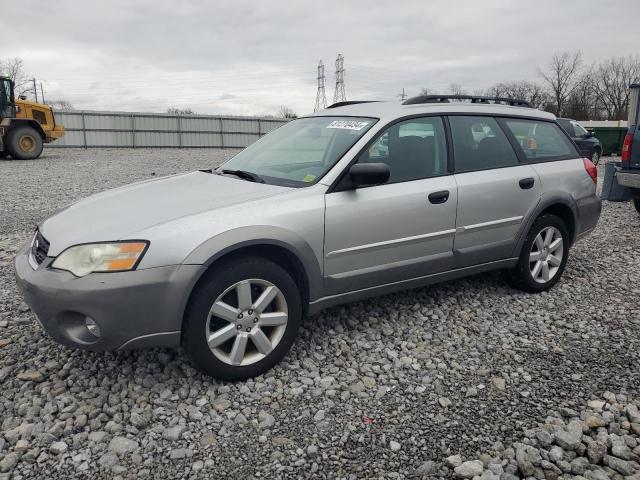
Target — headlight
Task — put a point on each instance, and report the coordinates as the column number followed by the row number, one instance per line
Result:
column 82, row 260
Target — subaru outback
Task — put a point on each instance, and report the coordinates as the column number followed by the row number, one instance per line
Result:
column 360, row 199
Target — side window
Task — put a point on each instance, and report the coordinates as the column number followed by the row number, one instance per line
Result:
column 541, row 140
column 479, row 144
column 412, row 149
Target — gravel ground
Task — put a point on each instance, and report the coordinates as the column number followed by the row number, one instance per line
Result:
column 387, row 388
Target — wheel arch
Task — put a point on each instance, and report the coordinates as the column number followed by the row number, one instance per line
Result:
column 13, row 123
column 561, row 205
column 293, row 254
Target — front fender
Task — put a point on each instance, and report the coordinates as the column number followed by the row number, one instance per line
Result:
column 232, row 240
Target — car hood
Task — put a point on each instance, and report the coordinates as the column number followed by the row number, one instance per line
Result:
column 119, row 213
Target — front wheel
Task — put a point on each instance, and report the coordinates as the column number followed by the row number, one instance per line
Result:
column 595, row 157
column 543, row 256
column 242, row 318
column 4, row 154
column 636, row 203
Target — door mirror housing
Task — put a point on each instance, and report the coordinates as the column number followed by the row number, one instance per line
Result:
column 364, row 174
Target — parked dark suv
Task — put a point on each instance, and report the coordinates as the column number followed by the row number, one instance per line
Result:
column 629, row 175
column 589, row 145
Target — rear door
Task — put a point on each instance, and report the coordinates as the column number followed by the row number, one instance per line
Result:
column 495, row 191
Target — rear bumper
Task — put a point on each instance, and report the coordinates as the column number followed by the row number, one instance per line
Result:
column 55, row 134
column 137, row 309
column 589, row 209
column 628, row 178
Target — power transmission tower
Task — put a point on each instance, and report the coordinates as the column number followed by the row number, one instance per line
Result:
column 321, row 98
column 403, row 96
column 338, row 94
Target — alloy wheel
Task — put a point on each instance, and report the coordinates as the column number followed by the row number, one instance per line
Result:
column 546, row 254
column 246, row 322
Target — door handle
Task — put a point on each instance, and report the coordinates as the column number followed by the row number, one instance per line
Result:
column 439, row 197
column 526, row 183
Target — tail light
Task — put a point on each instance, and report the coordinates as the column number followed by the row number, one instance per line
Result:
column 626, row 150
column 591, row 169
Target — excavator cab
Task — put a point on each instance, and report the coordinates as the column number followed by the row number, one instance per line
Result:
column 7, row 100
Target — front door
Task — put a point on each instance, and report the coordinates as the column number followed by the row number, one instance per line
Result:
column 403, row 229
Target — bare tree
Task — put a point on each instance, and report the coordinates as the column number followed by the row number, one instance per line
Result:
column 286, row 112
column 611, row 84
column 562, row 76
column 583, row 103
column 14, row 69
column 456, row 89
column 521, row 90
column 61, row 105
column 180, row 111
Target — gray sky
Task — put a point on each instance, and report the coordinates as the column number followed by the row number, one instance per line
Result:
column 251, row 57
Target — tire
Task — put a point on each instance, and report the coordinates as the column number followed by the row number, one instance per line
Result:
column 522, row 275
column 24, row 143
column 225, row 285
column 636, row 203
column 4, row 154
column 595, row 156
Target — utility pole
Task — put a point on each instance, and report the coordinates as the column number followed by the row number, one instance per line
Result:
column 339, row 94
column 42, row 93
column 35, row 89
column 321, row 98
column 403, row 96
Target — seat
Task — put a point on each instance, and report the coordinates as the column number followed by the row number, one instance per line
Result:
column 408, row 160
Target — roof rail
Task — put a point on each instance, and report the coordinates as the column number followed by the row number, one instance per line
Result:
column 350, row 102
column 472, row 98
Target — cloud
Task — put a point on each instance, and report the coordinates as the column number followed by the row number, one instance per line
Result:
column 247, row 57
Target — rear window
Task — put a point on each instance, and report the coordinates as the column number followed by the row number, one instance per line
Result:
column 541, row 140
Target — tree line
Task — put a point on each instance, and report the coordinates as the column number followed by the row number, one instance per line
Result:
column 570, row 88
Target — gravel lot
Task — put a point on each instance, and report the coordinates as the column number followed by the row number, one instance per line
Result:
column 387, row 388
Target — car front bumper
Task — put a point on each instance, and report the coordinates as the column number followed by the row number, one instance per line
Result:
column 136, row 309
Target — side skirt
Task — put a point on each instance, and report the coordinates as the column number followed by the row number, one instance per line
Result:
column 356, row 295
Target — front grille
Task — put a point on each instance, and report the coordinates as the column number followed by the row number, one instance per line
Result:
column 39, row 248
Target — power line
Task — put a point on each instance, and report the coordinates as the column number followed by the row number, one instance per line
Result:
column 339, row 94
column 321, row 98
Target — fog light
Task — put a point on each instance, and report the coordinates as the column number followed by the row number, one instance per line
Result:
column 93, row 327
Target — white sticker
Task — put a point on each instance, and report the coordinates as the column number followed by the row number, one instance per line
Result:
column 348, row 124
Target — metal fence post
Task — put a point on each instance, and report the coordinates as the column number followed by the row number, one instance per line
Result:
column 84, row 130
column 179, row 131
column 133, row 131
column 221, row 133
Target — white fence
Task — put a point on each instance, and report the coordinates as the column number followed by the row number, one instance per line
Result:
column 93, row 129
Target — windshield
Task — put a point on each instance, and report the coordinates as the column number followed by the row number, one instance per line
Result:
column 300, row 152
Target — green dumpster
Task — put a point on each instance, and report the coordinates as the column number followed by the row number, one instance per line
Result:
column 611, row 138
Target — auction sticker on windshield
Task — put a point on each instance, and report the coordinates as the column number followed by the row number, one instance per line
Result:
column 348, row 124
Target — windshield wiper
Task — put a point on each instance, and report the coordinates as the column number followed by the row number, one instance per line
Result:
column 252, row 177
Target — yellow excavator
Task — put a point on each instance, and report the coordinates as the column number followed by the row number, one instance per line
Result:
column 25, row 126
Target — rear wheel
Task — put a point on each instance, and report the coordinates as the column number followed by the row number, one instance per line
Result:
column 242, row 318
column 543, row 256
column 4, row 154
column 595, row 157
column 636, row 203
column 24, row 143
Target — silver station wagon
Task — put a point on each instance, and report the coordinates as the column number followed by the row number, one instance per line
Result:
column 360, row 199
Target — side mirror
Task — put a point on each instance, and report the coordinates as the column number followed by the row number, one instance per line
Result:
column 589, row 134
column 362, row 174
